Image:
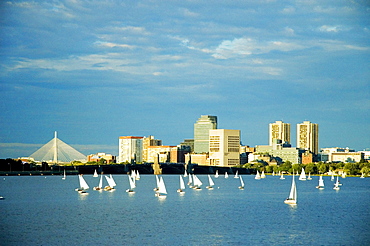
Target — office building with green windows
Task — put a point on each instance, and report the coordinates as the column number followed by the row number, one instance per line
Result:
column 201, row 132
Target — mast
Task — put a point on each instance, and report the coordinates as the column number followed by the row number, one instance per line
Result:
column 55, row 148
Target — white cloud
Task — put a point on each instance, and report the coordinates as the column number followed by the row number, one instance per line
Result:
column 249, row 46
column 112, row 45
column 326, row 28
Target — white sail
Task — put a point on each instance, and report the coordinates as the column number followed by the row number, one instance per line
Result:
column 137, row 177
column 211, row 183
column 190, row 180
column 64, row 175
column 309, row 176
column 258, row 176
column 263, row 175
column 292, row 199
column 226, row 175
column 332, row 177
column 95, row 174
column 162, row 187
column 182, row 184
column 113, row 182
column 241, row 181
column 321, row 181
column 336, row 185
column 273, row 173
column 282, row 176
column 185, row 173
column 133, row 174
column 101, row 181
column 157, row 180
column 236, row 175
column 303, row 175
column 83, row 184
column 362, row 176
column 216, row 175
column 197, row 181
column 131, row 181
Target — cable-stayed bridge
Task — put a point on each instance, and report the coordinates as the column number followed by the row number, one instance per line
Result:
column 56, row 151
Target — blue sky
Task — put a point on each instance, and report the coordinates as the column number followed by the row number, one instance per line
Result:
column 96, row 70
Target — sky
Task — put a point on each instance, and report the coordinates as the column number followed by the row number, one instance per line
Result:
column 99, row 69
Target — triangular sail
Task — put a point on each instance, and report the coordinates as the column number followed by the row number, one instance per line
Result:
column 113, row 182
column 157, row 180
column 95, row 174
column 162, row 187
column 241, row 181
column 101, row 181
column 293, row 191
column 258, row 176
column 110, row 181
column 190, row 179
column 197, row 181
column 83, row 183
column 236, row 175
column 321, row 182
column 131, row 181
column 185, row 173
column 216, row 175
column 303, row 175
column 226, row 175
column 182, row 184
column 211, row 183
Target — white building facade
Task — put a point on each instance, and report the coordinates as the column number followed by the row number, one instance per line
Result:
column 130, row 149
column 224, row 146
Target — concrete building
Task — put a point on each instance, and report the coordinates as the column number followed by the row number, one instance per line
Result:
column 130, row 149
column 224, row 147
column 188, row 143
column 337, row 154
column 308, row 137
column 201, row 132
column 98, row 156
column 200, row 159
column 294, row 155
column 279, row 130
column 149, row 141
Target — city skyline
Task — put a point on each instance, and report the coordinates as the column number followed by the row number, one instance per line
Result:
column 94, row 71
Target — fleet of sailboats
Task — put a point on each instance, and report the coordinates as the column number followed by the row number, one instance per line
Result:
column 196, row 183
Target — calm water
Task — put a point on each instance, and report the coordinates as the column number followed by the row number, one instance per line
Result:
column 42, row 210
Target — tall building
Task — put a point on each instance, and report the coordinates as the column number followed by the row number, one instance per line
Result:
column 149, row 141
column 201, row 132
column 308, row 137
column 224, row 147
column 279, row 130
column 130, row 149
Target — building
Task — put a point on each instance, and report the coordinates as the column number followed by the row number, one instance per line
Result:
column 200, row 159
column 130, row 149
column 99, row 156
column 337, row 154
column 201, row 132
column 279, row 130
column 188, row 143
column 224, row 147
column 282, row 151
column 308, row 137
column 149, row 141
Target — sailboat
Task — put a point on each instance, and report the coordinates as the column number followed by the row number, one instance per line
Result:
column 211, row 183
column 95, row 174
column 64, row 175
column 100, row 186
column 321, row 183
column 197, row 183
column 226, row 175
column 241, row 187
column 157, row 182
column 111, row 183
column 273, row 173
column 182, row 186
column 309, row 176
column 258, row 176
column 336, row 185
column 362, row 176
column 133, row 174
column 282, row 176
column 216, row 175
column 185, row 173
column 132, row 185
column 292, row 199
column 344, row 174
column 162, row 192
column 303, row 175
column 263, row 175
column 83, row 185
column 332, row 177
column 236, row 175
column 190, row 181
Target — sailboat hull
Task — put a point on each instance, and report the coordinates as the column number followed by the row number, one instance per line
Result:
column 291, row 202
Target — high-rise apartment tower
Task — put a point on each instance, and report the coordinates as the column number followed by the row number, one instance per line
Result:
column 308, row 136
column 279, row 130
column 201, row 132
column 224, row 146
column 130, row 149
